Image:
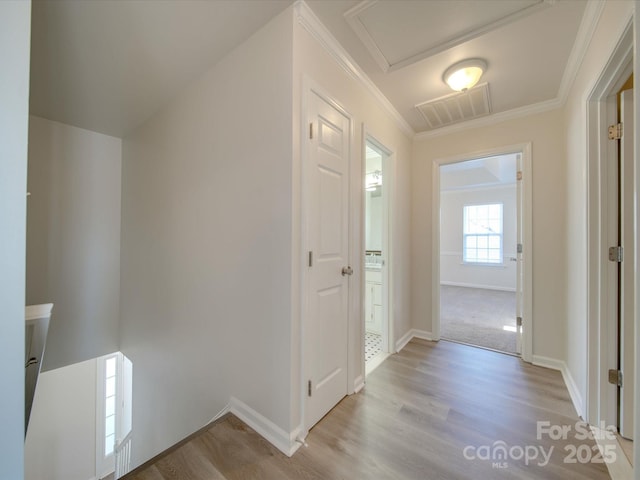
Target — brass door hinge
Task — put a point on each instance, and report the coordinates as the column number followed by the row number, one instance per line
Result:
column 616, row 254
column 615, row 377
column 615, row 131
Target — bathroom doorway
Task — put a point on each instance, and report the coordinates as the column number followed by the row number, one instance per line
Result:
column 377, row 258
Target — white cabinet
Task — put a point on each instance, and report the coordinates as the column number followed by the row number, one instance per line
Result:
column 373, row 302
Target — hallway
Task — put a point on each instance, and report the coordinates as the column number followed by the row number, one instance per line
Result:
column 424, row 413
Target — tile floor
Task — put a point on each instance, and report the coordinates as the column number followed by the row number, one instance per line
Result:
column 372, row 345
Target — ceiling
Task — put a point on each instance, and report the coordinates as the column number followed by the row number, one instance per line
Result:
column 109, row 65
column 527, row 45
column 483, row 172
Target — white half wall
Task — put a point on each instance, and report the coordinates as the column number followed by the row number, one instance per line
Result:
column 206, row 247
column 61, row 440
column 453, row 271
column 73, row 238
column 15, row 34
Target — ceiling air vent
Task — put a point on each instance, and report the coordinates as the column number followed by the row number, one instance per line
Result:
column 457, row 107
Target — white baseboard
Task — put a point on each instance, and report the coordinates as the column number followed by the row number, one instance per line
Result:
column 283, row 441
column 413, row 333
column 619, row 467
column 221, row 413
column 476, row 285
column 562, row 367
column 358, row 384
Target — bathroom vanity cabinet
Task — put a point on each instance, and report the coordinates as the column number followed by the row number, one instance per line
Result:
column 373, row 301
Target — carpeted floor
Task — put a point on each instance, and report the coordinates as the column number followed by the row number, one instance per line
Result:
column 478, row 317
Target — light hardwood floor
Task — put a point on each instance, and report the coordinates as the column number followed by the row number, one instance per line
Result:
column 413, row 420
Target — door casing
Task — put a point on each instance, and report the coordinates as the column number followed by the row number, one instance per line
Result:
column 355, row 374
column 527, row 222
column 388, row 176
column 601, row 404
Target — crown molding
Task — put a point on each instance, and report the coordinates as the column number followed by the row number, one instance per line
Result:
column 310, row 22
column 593, row 10
column 587, row 28
column 492, row 119
column 352, row 16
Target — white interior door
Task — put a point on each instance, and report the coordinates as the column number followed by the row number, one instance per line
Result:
column 326, row 328
column 626, row 266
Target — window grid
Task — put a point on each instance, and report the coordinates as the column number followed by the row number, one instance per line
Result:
column 482, row 234
column 110, row 404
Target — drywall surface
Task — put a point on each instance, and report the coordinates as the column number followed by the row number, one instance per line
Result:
column 545, row 132
column 73, row 238
column 206, row 247
column 15, row 28
column 61, row 440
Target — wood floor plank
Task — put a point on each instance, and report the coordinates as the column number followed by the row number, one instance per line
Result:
column 423, row 414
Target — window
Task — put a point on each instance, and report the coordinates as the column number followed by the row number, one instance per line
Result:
column 482, row 234
column 110, row 405
column 113, row 409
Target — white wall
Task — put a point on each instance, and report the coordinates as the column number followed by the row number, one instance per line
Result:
column 545, row 132
column 612, row 22
column 73, row 238
column 206, row 247
column 61, row 440
column 312, row 61
column 15, row 27
column 452, row 269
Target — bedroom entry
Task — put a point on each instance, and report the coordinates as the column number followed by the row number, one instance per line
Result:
column 480, row 291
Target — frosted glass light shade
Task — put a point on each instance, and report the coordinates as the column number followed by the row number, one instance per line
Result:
column 464, row 75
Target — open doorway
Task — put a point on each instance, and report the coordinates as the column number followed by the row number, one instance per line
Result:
column 478, row 254
column 376, row 295
column 611, row 242
column 481, row 239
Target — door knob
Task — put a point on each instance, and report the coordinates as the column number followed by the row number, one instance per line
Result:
column 347, row 271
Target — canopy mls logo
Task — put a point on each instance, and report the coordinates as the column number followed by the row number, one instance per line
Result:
column 500, row 453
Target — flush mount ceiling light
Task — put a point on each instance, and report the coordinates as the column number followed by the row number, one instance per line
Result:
column 464, row 75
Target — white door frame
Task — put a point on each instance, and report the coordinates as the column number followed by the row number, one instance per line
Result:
column 527, row 307
column 105, row 464
column 601, row 333
column 355, row 375
column 388, row 192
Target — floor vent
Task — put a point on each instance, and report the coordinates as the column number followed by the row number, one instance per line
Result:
column 457, row 107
